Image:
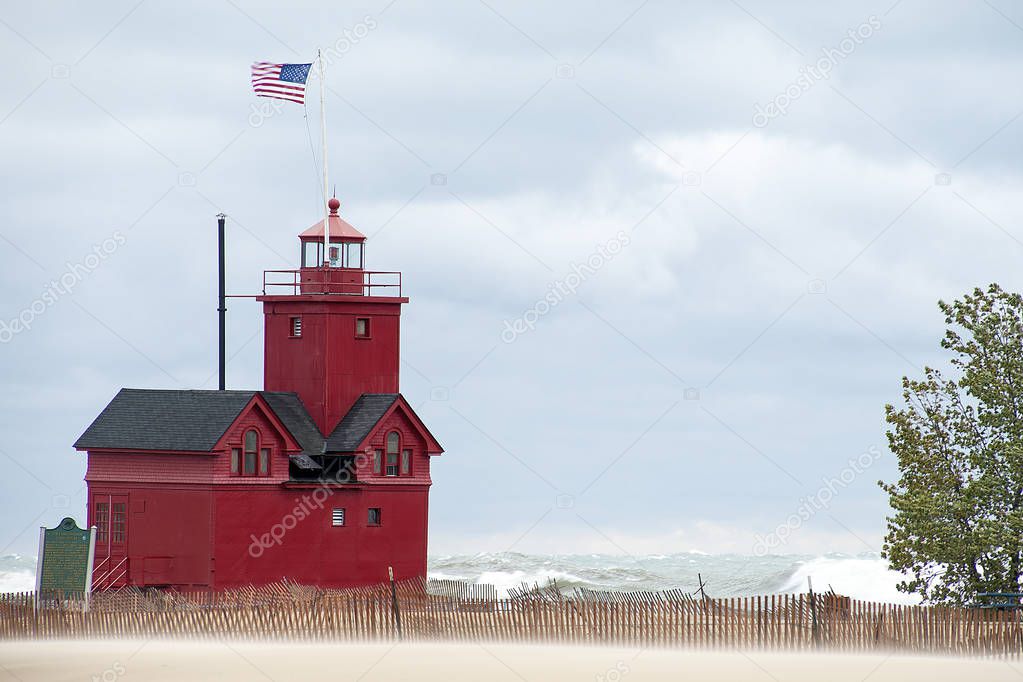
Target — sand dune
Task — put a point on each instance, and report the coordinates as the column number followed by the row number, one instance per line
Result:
column 166, row 660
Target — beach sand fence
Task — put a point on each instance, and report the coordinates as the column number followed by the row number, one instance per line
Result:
column 452, row 610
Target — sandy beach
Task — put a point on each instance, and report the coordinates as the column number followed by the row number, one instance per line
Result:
column 228, row 661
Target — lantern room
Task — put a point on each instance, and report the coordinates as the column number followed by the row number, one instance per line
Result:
column 347, row 245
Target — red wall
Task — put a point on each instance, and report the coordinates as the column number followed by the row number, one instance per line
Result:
column 192, row 524
column 169, row 537
column 264, row 536
column 328, row 366
column 231, row 537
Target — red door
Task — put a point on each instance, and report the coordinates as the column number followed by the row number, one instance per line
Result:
column 110, row 516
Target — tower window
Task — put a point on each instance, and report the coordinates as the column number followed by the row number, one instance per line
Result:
column 373, row 517
column 337, row 517
column 362, row 327
column 296, row 327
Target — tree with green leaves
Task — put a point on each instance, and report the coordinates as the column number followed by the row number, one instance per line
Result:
column 957, row 524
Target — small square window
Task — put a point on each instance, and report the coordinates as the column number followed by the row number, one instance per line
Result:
column 337, row 517
column 373, row 518
column 296, row 327
column 362, row 327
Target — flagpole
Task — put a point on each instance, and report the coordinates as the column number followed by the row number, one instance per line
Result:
column 323, row 134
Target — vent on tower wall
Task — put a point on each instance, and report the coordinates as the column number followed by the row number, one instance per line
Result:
column 296, row 327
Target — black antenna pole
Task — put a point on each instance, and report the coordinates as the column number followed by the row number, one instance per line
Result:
column 222, row 309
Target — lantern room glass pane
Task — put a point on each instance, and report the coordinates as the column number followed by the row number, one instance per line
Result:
column 312, row 254
column 353, row 255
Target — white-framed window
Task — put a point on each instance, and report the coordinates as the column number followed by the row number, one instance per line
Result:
column 337, row 517
column 393, row 444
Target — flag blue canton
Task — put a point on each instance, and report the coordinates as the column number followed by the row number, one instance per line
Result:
column 295, row 73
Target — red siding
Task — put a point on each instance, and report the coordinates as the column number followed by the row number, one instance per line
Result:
column 169, row 531
column 311, row 550
column 268, row 437
column 148, row 467
column 328, row 366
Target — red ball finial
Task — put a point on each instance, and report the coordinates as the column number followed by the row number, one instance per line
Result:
column 333, row 205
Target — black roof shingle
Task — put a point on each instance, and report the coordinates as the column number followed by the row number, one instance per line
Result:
column 289, row 409
column 153, row 419
column 189, row 421
column 359, row 421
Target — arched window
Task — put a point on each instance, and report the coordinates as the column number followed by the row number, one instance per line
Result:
column 251, row 449
column 393, row 445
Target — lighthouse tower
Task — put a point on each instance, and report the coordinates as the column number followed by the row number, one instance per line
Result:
column 332, row 327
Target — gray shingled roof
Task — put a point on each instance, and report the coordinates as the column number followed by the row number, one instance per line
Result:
column 145, row 419
column 359, row 421
column 290, row 410
column 153, row 419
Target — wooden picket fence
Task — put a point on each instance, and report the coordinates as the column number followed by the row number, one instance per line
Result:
column 458, row 611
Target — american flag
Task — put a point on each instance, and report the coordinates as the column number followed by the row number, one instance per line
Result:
column 280, row 81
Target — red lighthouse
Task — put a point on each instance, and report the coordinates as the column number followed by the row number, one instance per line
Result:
column 322, row 477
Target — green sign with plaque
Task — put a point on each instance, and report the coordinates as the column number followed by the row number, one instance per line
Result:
column 65, row 558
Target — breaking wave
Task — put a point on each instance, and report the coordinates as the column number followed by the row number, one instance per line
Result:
column 863, row 576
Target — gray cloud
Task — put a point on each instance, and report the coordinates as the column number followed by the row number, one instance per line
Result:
column 651, row 133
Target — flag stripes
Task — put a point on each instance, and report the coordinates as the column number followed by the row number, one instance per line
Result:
column 280, row 81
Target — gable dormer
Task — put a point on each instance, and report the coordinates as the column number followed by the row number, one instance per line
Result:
column 256, row 447
column 384, row 441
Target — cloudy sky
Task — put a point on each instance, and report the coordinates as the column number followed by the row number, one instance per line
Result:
column 667, row 261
